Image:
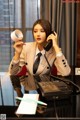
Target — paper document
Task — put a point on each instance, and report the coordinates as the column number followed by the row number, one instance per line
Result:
column 27, row 105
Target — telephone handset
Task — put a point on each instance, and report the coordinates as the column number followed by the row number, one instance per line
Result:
column 49, row 44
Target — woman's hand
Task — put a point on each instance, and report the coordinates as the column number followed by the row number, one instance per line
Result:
column 18, row 46
column 54, row 38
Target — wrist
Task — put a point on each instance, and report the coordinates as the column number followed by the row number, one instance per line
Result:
column 59, row 54
column 16, row 56
column 57, row 49
column 19, row 92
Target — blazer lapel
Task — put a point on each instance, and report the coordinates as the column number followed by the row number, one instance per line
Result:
column 30, row 59
column 50, row 57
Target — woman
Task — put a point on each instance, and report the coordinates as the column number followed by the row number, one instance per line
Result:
column 25, row 55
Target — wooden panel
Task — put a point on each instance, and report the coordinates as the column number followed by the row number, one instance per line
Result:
column 78, row 35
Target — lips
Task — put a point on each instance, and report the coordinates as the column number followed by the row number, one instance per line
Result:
column 38, row 38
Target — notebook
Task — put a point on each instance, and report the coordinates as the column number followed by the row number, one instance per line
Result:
column 28, row 104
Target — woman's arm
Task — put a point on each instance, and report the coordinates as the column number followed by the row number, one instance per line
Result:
column 62, row 66
column 60, row 62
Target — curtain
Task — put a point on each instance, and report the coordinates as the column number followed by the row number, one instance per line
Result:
column 62, row 16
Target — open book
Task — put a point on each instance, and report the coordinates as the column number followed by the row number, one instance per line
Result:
column 28, row 104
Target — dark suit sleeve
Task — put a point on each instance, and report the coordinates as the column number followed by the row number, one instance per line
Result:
column 15, row 81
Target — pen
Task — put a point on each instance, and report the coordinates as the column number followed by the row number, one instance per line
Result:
column 37, row 101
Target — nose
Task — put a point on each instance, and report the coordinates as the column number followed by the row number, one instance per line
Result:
column 38, row 33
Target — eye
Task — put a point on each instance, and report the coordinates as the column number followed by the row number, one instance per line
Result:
column 35, row 31
column 42, row 30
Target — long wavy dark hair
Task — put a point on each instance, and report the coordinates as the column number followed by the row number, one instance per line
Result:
column 46, row 25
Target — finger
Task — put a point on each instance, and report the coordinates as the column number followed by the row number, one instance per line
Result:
column 54, row 32
column 18, row 43
column 18, row 46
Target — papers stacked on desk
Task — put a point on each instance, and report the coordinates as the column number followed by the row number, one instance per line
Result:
column 28, row 104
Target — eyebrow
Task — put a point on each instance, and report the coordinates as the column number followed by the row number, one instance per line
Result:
column 37, row 29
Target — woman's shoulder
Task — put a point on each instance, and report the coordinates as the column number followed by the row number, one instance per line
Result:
column 29, row 45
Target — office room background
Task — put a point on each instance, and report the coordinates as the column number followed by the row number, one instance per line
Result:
column 21, row 14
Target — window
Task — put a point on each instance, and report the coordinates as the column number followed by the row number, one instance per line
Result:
column 15, row 14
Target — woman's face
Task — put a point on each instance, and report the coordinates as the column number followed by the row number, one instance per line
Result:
column 39, row 34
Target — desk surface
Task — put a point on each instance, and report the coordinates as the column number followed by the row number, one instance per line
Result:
column 66, row 108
